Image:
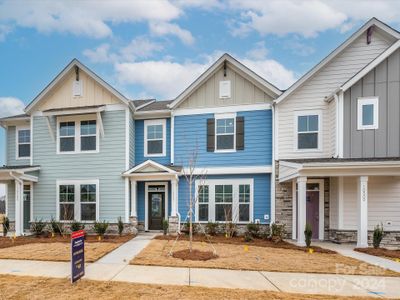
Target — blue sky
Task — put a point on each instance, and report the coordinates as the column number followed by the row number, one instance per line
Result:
column 156, row 48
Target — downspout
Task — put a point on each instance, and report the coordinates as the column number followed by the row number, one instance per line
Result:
column 337, row 126
column 272, row 217
column 18, row 205
column 172, row 138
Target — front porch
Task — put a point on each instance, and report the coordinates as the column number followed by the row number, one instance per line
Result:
column 21, row 182
column 361, row 194
column 154, row 196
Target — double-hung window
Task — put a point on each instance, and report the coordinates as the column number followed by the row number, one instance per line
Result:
column 308, row 127
column 225, row 134
column 23, row 143
column 77, row 135
column 221, row 200
column 154, row 138
column 78, row 200
column 367, row 113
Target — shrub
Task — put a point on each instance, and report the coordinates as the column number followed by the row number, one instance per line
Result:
column 187, row 227
column 212, row 228
column 165, row 226
column 230, row 229
column 56, row 227
column 378, row 235
column 120, row 226
column 6, row 226
column 76, row 225
column 253, row 229
column 248, row 237
column 277, row 232
column 38, row 227
column 308, row 235
column 100, row 228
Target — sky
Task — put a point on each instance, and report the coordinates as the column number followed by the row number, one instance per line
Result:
column 156, row 48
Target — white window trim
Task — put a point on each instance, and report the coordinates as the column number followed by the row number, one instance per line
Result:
column 17, row 130
column 162, row 122
column 298, row 114
column 225, row 116
column 367, row 101
column 77, row 202
column 77, row 120
column 235, row 203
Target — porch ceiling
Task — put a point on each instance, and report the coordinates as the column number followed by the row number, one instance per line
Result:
column 7, row 173
column 337, row 167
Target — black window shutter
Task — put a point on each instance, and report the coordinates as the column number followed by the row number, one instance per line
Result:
column 210, row 135
column 239, row 133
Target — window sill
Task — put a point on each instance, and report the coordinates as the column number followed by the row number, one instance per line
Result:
column 308, row 150
column 78, row 152
column 154, row 155
column 367, row 128
column 21, row 158
column 225, row 151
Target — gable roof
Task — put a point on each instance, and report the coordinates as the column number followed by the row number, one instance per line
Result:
column 156, row 106
column 261, row 82
column 372, row 22
column 64, row 72
column 153, row 166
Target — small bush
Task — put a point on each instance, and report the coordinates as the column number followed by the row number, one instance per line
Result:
column 378, row 235
column 253, row 229
column 6, row 226
column 56, row 227
column 248, row 237
column 100, row 228
column 120, row 226
column 230, row 229
column 212, row 228
column 38, row 227
column 165, row 226
column 187, row 228
column 278, row 232
column 308, row 235
column 76, row 225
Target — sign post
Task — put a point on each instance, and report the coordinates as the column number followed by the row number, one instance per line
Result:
column 77, row 255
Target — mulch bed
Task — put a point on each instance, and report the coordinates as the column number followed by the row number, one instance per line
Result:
column 6, row 242
column 194, row 255
column 237, row 240
column 382, row 252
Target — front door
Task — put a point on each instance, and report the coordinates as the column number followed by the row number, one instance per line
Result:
column 27, row 206
column 312, row 208
column 156, row 210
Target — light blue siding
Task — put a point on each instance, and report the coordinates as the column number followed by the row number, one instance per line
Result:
column 262, row 194
column 139, row 147
column 11, row 200
column 107, row 166
column 191, row 135
column 11, row 149
column 132, row 141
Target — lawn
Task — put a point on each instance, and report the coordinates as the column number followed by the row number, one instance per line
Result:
column 382, row 252
column 258, row 258
column 21, row 287
column 57, row 248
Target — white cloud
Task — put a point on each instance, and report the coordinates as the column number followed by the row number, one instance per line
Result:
column 10, row 106
column 4, row 30
column 299, row 48
column 308, row 17
column 258, row 52
column 167, row 79
column 89, row 18
column 98, row 55
column 164, row 28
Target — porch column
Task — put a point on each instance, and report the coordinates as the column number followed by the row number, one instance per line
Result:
column 133, row 198
column 19, row 191
column 301, row 208
column 294, row 210
column 362, row 204
column 174, row 196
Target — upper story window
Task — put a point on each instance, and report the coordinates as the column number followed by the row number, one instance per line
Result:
column 77, row 135
column 154, row 137
column 225, row 134
column 23, row 143
column 367, row 113
column 308, row 131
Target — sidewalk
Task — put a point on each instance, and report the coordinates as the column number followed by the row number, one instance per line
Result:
column 348, row 250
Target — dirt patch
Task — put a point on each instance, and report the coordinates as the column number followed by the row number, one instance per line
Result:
column 240, row 241
column 23, row 287
column 382, row 252
column 56, row 251
column 6, row 242
column 249, row 257
column 194, row 255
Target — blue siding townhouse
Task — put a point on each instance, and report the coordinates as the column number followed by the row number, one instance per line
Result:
column 83, row 151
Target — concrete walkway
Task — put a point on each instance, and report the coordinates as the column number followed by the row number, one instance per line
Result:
column 348, row 250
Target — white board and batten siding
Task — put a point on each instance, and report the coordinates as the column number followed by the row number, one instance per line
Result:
column 311, row 96
column 242, row 92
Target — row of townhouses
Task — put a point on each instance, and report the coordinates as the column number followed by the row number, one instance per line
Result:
column 325, row 152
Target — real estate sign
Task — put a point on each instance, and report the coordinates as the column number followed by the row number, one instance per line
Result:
column 77, row 255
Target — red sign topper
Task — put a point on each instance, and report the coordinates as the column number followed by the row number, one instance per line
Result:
column 77, row 234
